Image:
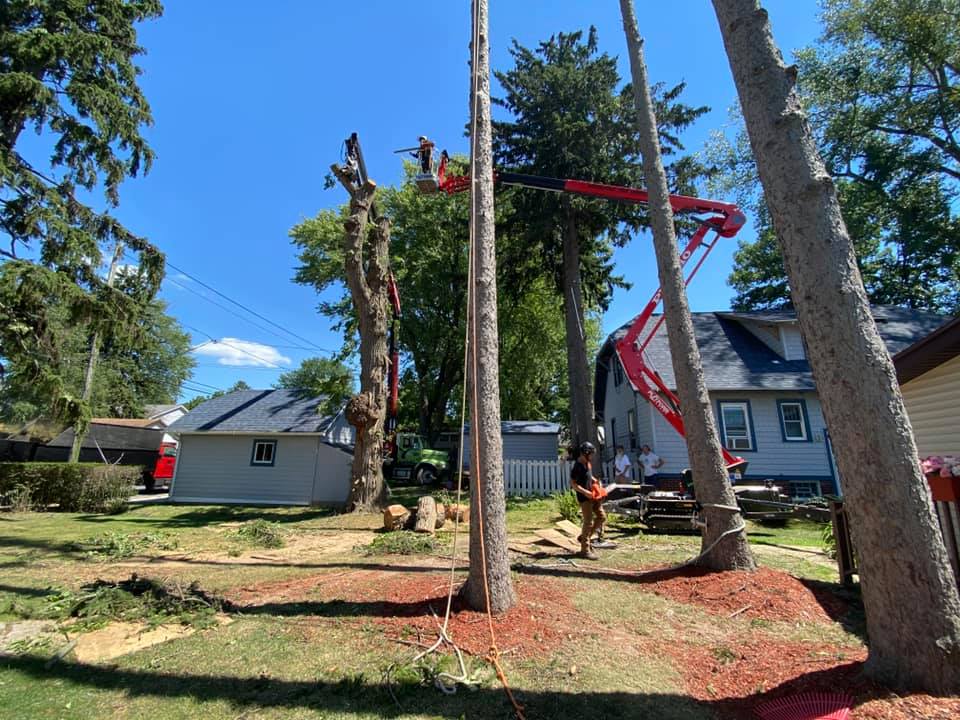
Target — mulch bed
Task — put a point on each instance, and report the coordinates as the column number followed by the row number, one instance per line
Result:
column 765, row 594
column 733, row 679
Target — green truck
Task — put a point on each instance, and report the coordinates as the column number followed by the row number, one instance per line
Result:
column 410, row 460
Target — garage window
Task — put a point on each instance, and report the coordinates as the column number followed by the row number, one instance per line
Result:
column 264, row 452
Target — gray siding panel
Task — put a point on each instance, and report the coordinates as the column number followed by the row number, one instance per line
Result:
column 530, row 447
column 332, row 485
column 217, row 467
column 773, row 457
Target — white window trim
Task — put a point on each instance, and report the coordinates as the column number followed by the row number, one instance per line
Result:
column 803, row 421
column 745, row 406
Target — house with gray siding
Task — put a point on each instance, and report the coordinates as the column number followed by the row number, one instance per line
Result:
column 761, row 388
column 521, row 440
column 262, row 447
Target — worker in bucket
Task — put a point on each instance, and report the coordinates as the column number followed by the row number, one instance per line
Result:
column 424, row 155
column 651, row 463
column 588, row 490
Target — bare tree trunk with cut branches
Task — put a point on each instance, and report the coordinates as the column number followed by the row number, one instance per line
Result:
column 909, row 594
column 724, row 538
column 366, row 243
column 489, row 582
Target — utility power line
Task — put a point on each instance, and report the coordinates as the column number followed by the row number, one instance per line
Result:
column 272, row 363
column 244, row 307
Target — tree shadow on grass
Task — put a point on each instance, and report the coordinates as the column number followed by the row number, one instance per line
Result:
column 358, row 695
column 202, row 517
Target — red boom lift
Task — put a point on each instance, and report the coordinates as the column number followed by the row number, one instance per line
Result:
column 722, row 219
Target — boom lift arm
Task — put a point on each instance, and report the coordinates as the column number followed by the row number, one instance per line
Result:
column 722, row 219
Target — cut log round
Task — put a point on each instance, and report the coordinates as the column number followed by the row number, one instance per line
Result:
column 441, row 515
column 395, row 516
column 455, row 512
column 426, row 515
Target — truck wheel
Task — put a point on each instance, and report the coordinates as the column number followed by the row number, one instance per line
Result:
column 426, row 475
column 149, row 482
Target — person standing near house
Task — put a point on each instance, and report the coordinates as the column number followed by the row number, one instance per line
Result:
column 621, row 467
column 582, row 481
column 651, row 464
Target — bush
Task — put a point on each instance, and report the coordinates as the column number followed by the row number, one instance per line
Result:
column 74, row 487
column 568, row 506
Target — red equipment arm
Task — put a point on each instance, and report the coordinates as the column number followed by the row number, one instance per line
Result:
column 724, row 219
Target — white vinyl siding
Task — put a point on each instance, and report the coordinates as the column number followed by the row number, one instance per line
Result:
column 932, row 402
column 218, row 468
column 792, row 342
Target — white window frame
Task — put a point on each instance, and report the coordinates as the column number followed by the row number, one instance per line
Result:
column 805, row 432
column 737, row 443
column 272, row 444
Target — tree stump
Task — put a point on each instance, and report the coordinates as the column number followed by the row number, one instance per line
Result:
column 395, row 516
column 426, row 515
column 441, row 515
column 455, row 512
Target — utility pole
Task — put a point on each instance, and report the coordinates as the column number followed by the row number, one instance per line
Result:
column 80, row 427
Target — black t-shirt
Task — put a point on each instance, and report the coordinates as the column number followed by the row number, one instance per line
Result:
column 581, row 476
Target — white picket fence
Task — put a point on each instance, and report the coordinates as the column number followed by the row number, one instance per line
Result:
column 536, row 477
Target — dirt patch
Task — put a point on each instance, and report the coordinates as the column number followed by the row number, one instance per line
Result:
column 24, row 633
column 765, row 594
column 122, row 638
column 407, row 606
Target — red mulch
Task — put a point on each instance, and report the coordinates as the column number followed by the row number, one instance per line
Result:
column 733, row 679
column 764, row 594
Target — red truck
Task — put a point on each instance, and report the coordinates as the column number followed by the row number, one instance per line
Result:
column 162, row 472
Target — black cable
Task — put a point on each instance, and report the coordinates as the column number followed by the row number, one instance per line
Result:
column 244, row 307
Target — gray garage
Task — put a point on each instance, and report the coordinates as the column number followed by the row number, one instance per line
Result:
column 262, row 447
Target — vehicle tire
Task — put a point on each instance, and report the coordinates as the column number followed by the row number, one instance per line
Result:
column 149, row 482
column 426, row 475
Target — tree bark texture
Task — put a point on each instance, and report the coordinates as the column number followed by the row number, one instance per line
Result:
column 493, row 588
column 582, row 425
column 365, row 250
column 728, row 546
column 909, row 594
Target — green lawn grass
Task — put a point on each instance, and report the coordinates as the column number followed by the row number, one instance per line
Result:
column 340, row 666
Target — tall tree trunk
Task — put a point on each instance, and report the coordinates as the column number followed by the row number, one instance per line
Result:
column 582, row 425
column 81, row 426
column 365, row 252
column 488, row 583
column 910, row 596
column 724, row 535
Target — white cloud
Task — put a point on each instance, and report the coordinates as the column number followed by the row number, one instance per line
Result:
column 242, row 353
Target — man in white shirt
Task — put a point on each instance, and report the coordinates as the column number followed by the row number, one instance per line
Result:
column 651, row 463
column 621, row 467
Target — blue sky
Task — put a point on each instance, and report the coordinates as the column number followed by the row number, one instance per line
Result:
column 252, row 100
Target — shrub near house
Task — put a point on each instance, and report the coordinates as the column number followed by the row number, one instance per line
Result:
column 72, row 487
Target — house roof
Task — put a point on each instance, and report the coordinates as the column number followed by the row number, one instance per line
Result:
column 124, row 422
column 155, row 411
column 524, row 427
column 928, row 352
column 113, row 437
column 735, row 359
column 256, row 411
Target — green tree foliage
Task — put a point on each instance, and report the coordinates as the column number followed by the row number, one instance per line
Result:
column 328, row 377
column 67, row 71
column 200, row 399
column 147, row 368
column 429, row 235
column 884, row 102
column 572, row 118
